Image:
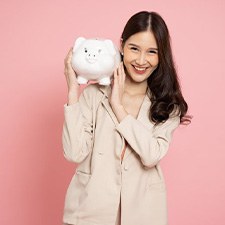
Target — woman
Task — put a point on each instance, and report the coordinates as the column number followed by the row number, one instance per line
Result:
column 117, row 135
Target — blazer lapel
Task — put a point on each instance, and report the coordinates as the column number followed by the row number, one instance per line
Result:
column 143, row 118
column 106, row 90
column 142, row 115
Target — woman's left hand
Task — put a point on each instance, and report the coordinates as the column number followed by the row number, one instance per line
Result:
column 117, row 93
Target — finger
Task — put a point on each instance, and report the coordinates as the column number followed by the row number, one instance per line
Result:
column 119, row 73
column 123, row 72
column 115, row 75
column 112, row 83
column 65, row 71
column 70, row 54
column 69, row 57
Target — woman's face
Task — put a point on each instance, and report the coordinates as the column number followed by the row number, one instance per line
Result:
column 140, row 53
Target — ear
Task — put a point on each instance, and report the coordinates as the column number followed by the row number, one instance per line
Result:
column 78, row 42
column 110, row 46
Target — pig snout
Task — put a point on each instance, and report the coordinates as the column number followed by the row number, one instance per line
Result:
column 92, row 57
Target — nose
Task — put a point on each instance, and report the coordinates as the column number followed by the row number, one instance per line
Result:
column 91, row 55
column 141, row 59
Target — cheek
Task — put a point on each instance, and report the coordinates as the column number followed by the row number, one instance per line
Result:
column 154, row 61
column 128, row 66
column 127, row 58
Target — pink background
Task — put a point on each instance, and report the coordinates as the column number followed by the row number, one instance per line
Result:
column 35, row 37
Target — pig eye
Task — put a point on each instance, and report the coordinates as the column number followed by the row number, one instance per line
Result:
column 99, row 51
column 85, row 50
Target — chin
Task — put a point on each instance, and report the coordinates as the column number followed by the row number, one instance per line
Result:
column 137, row 78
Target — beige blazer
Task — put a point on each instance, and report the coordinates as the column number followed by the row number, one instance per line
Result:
column 93, row 138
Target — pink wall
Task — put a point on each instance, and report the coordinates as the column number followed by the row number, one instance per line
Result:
column 35, row 37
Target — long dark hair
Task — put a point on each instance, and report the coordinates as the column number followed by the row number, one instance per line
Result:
column 165, row 92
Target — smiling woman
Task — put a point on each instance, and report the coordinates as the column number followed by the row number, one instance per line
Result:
column 148, row 37
column 118, row 134
column 140, row 56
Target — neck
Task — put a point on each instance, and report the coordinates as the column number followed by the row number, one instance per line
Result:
column 133, row 88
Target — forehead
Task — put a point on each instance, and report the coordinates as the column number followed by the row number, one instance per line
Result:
column 143, row 39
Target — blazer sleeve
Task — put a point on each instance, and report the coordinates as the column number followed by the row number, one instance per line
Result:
column 77, row 135
column 151, row 144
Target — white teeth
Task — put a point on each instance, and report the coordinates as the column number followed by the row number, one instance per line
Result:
column 140, row 69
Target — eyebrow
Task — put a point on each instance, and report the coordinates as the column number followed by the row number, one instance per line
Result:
column 134, row 45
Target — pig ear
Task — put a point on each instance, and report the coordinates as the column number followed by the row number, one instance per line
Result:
column 110, row 46
column 78, row 42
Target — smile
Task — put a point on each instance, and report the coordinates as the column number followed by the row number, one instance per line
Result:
column 140, row 70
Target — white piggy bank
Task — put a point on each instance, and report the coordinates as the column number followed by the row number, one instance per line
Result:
column 94, row 59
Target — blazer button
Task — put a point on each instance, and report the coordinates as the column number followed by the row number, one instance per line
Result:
column 125, row 167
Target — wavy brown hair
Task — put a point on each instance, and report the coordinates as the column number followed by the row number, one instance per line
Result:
column 165, row 92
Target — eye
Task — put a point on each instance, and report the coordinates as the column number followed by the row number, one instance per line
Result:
column 85, row 50
column 99, row 51
column 153, row 52
column 135, row 49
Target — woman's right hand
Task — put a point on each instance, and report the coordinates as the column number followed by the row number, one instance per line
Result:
column 73, row 86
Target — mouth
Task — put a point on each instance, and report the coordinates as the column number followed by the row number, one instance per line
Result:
column 139, row 70
column 92, row 60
